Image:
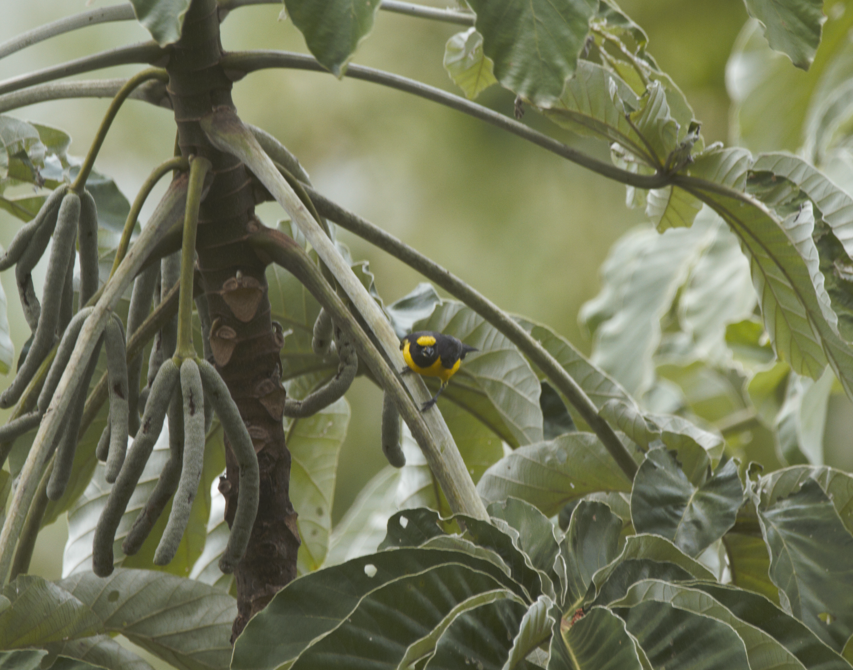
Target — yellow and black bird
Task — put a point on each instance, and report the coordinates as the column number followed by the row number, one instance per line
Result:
column 433, row 355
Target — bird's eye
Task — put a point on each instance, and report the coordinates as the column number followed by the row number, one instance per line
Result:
column 427, row 351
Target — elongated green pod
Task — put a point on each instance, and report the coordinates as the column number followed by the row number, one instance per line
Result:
column 31, row 255
column 193, row 462
column 140, row 306
column 66, row 441
column 45, row 334
column 102, row 450
column 322, row 340
column 117, row 379
column 87, row 234
column 167, row 483
column 66, row 302
column 24, row 237
column 391, row 433
column 241, row 444
column 63, row 355
column 170, row 272
column 137, row 457
column 204, row 320
column 331, row 390
column 17, row 427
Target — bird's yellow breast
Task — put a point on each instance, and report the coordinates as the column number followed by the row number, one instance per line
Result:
column 436, row 369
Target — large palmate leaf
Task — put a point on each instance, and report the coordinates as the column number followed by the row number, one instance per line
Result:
column 534, row 45
column 550, row 474
column 785, row 272
column 333, row 29
column 600, row 640
column 314, row 444
column 183, row 622
column 495, row 384
column 809, row 561
column 353, row 608
column 791, row 26
column 690, row 506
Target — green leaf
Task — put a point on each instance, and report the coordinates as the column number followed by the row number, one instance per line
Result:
column 671, row 207
column 534, row 45
column 22, row 660
column 640, row 280
column 100, row 650
column 315, row 443
column 613, row 582
column 749, row 563
column 185, row 623
column 535, row 532
column 692, row 512
column 42, row 612
column 837, row 485
column 354, row 608
column 550, row 474
column 784, row 265
column 591, row 542
column 416, row 305
column 599, row 639
column 762, row 650
column 468, row 67
column 534, row 630
column 676, row 638
column 333, row 29
column 790, row 26
column 21, row 150
column 809, row 547
column 595, row 103
column 164, row 19
column 495, row 384
column 362, row 528
column 802, row 417
column 781, row 626
column 481, row 637
column 7, row 349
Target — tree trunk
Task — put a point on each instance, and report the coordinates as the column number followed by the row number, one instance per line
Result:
column 244, row 344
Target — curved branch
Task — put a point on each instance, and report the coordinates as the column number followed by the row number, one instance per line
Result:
column 434, row 13
column 153, row 92
column 143, row 53
column 491, row 313
column 227, row 133
column 66, row 25
column 250, row 61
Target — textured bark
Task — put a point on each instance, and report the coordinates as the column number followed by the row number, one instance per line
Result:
column 245, row 346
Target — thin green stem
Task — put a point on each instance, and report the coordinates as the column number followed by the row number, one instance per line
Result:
column 491, row 313
column 199, row 167
column 66, row 25
column 432, row 13
column 152, row 91
column 142, row 53
column 115, row 105
column 249, row 61
column 156, row 174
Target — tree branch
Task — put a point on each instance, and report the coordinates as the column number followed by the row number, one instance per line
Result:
column 143, row 53
column 250, row 61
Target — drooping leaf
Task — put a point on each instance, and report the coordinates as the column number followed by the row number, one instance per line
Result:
column 808, row 548
column 802, row 417
column 535, row 628
column 496, row 384
column 481, row 637
column 416, row 305
column 837, row 485
column 21, row 150
column 550, row 474
column 314, row 444
column 164, row 19
column 691, row 511
column 599, row 639
column 791, row 26
column 333, row 29
column 354, row 608
column 100, row 650
column 534, row 45
column 468, row 67
column 591, row 542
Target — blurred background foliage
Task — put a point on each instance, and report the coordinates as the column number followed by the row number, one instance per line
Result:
column 524, row 227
